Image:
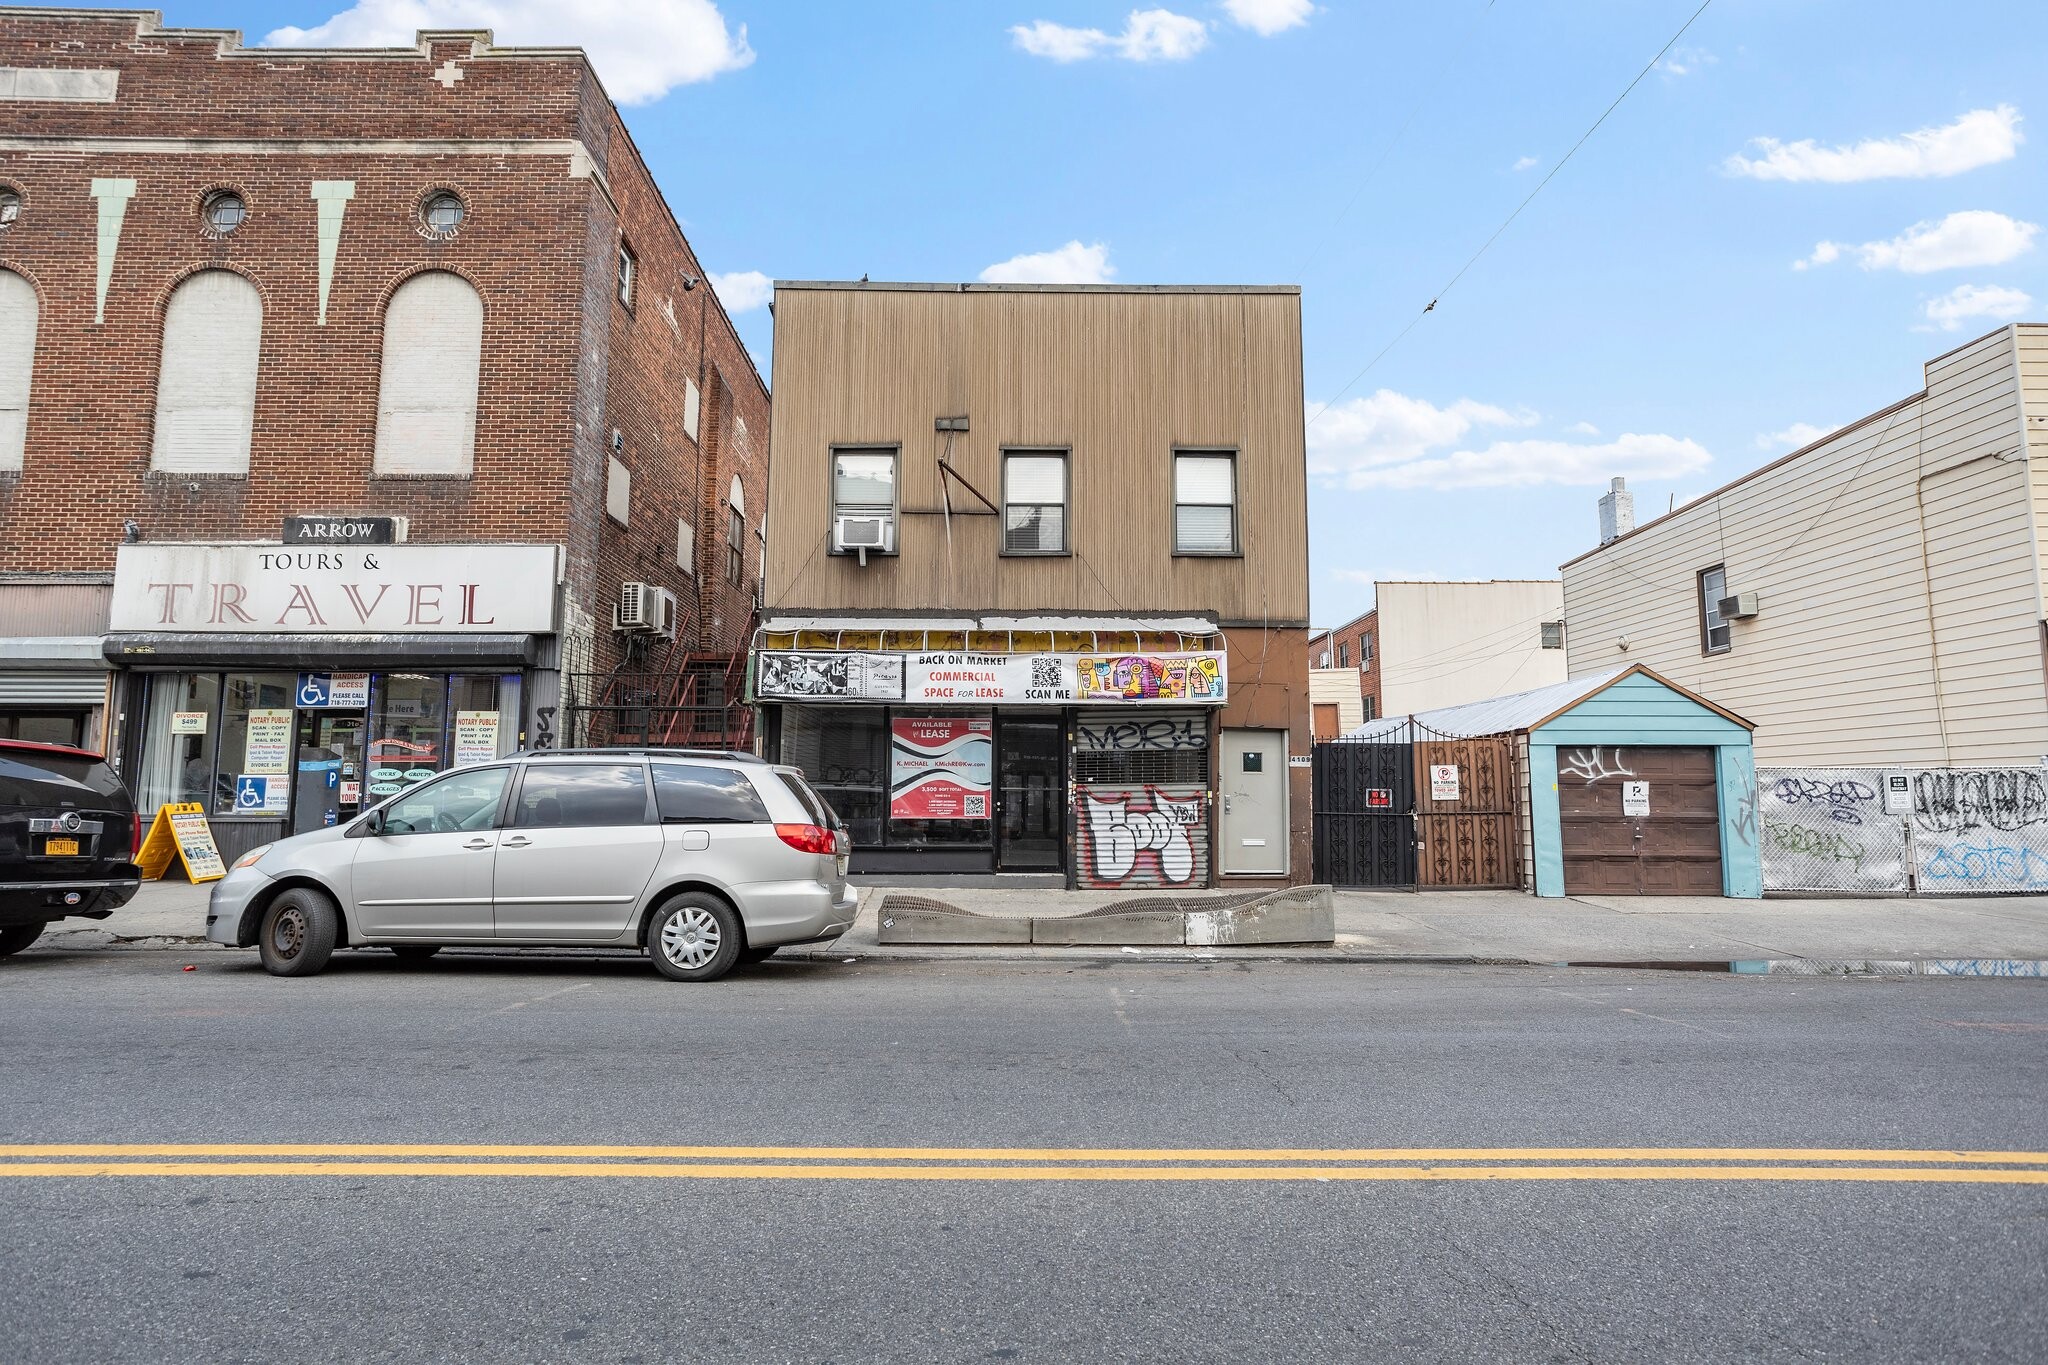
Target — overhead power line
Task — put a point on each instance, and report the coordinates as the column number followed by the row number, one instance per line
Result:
column 1487, row 245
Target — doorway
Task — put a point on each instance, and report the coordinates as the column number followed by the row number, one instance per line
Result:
column 1253, row 784
column 327, row 779
column 1030, row 795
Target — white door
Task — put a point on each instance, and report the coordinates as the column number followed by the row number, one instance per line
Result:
column 1254, row 787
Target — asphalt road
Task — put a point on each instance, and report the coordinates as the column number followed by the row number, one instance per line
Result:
column 124, row 1047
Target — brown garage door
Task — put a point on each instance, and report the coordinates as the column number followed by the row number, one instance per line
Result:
column 1673, row 850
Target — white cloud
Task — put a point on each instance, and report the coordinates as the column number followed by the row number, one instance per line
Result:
column 1523, row 163
column 1971, row 237
column 641, row 51
column 1070, row 264
column 1684, row 61
column 1791, row 438
column 1391, row 440
column 1150, row 35
column 1388, row 428
column 1583, row 429
column 1978, row 138
column 1268, row 17
column 1971, row 301
column 742, row 291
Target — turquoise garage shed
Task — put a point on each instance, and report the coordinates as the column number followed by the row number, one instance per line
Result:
column 1631, row 785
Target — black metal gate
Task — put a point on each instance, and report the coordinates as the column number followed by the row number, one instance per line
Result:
column 1363, row 796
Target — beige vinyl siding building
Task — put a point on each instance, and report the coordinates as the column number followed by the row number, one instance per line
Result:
column 1336, row 700
column 1445, row 644
column 1898, row 577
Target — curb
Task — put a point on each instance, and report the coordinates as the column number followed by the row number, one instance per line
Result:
column 2010, row 967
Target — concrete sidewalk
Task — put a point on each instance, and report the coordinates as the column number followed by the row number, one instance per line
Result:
column 1430, row 926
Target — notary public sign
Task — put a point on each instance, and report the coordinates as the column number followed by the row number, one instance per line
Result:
column 505, row 589
column 992, row 679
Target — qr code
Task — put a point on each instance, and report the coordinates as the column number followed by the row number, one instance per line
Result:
column 976, row 807
column 1045, row 672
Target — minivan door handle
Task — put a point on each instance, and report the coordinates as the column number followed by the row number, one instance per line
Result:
column 478, row 843
column 516, row 841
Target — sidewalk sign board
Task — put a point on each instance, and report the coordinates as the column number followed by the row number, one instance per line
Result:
column 180, row 833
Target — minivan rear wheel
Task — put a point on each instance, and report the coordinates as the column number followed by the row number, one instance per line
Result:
column 694, row 936
column 298, row 932
column 15, row 937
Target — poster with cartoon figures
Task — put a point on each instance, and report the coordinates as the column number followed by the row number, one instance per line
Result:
column 1151, row 677
column 940, row 768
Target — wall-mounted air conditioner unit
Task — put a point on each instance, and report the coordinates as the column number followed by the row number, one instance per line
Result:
column 862, row 533
column 637, row 609
column 665, row 611
column 1740, row 607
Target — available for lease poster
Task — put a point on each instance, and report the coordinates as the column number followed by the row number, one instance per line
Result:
column 940, row 768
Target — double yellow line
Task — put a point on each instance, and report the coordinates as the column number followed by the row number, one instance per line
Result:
column 89, row 1160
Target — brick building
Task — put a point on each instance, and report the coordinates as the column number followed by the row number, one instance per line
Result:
column 430, row 296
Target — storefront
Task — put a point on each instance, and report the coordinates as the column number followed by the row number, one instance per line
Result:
column 53, row 678
column 1084, row 753
column 348, row 675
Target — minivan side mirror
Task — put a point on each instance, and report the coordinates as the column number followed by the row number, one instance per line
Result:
column 371, row 824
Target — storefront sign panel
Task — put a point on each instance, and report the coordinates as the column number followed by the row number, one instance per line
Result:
column 993, row 679
column 476, row 737
column 188, row 722
column 267, row 748
column 506, row 589
column 940, row 768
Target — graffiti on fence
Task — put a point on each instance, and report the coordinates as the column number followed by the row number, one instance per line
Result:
column 1989, row 866
column 1964, row 800
column 1825, row 830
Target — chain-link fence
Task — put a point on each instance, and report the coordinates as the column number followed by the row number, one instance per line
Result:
column 1940, row 831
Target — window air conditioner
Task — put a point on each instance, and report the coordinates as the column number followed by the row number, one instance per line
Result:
column 636, row 609
column 1740, row 607
column 859, row 534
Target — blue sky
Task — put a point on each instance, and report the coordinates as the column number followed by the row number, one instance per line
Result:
column 1648, row 315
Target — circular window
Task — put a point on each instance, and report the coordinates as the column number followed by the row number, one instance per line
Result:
column 225, row 211
column 10, row 206
column 442, row 212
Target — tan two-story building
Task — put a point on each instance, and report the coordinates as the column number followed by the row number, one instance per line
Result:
column 1036, row 594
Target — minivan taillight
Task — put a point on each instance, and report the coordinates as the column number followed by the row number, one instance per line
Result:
column 807, row 838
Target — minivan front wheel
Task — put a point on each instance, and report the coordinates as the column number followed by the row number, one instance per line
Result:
column 298, row 934
column 694, row 937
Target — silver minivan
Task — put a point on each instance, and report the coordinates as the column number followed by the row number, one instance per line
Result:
column 702, row 859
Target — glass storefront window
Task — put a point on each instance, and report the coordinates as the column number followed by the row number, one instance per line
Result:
column 844, row 752
column 408, row 728
column 178, row 750
column 256, row 722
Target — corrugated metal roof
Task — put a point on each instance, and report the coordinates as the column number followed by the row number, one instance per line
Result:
column 1498, row 715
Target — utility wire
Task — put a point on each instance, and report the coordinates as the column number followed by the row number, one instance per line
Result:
column 1487, row 245
column 1433, row 83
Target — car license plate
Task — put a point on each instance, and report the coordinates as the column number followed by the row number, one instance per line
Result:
column 54, row 847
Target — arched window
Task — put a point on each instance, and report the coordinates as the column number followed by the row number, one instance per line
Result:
column 426, row 401
column 206, row 384
column 18, row 313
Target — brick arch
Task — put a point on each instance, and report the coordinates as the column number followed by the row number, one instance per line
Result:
column 22, row 268
column 162, row 298
column 398, row 280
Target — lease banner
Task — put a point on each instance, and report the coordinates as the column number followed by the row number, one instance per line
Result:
column 940, row 768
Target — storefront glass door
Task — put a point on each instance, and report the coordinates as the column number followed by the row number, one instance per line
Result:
column 1031, row 795
column 328, row 774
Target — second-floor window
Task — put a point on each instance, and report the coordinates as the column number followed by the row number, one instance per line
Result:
column 863, row 487
column 1365, row 651
column 1343, row 655
column 629, row 268
column 1553, row 635
column 1034, row 502
column 1714, row 635
column 1204, row 502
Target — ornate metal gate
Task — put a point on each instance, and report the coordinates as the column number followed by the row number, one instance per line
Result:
column 1408, row 807
column 1363, row 796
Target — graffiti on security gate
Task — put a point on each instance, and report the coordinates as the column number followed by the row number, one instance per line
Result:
column 1845, row 800
column 1142, row 836
column 1972, row 831
column 1592, row 765
column 1964, row 800
column 1986, row 866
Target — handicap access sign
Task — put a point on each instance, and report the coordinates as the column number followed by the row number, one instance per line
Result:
column 314, row 689
column 260, row 795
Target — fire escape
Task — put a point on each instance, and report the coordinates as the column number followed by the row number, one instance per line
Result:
column 664, row 694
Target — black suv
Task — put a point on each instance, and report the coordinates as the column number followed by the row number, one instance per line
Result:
column 68, row 837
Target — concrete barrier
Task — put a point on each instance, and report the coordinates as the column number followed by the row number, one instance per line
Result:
column 1154, row 928
column 1302, row 914
column 1298, row 915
